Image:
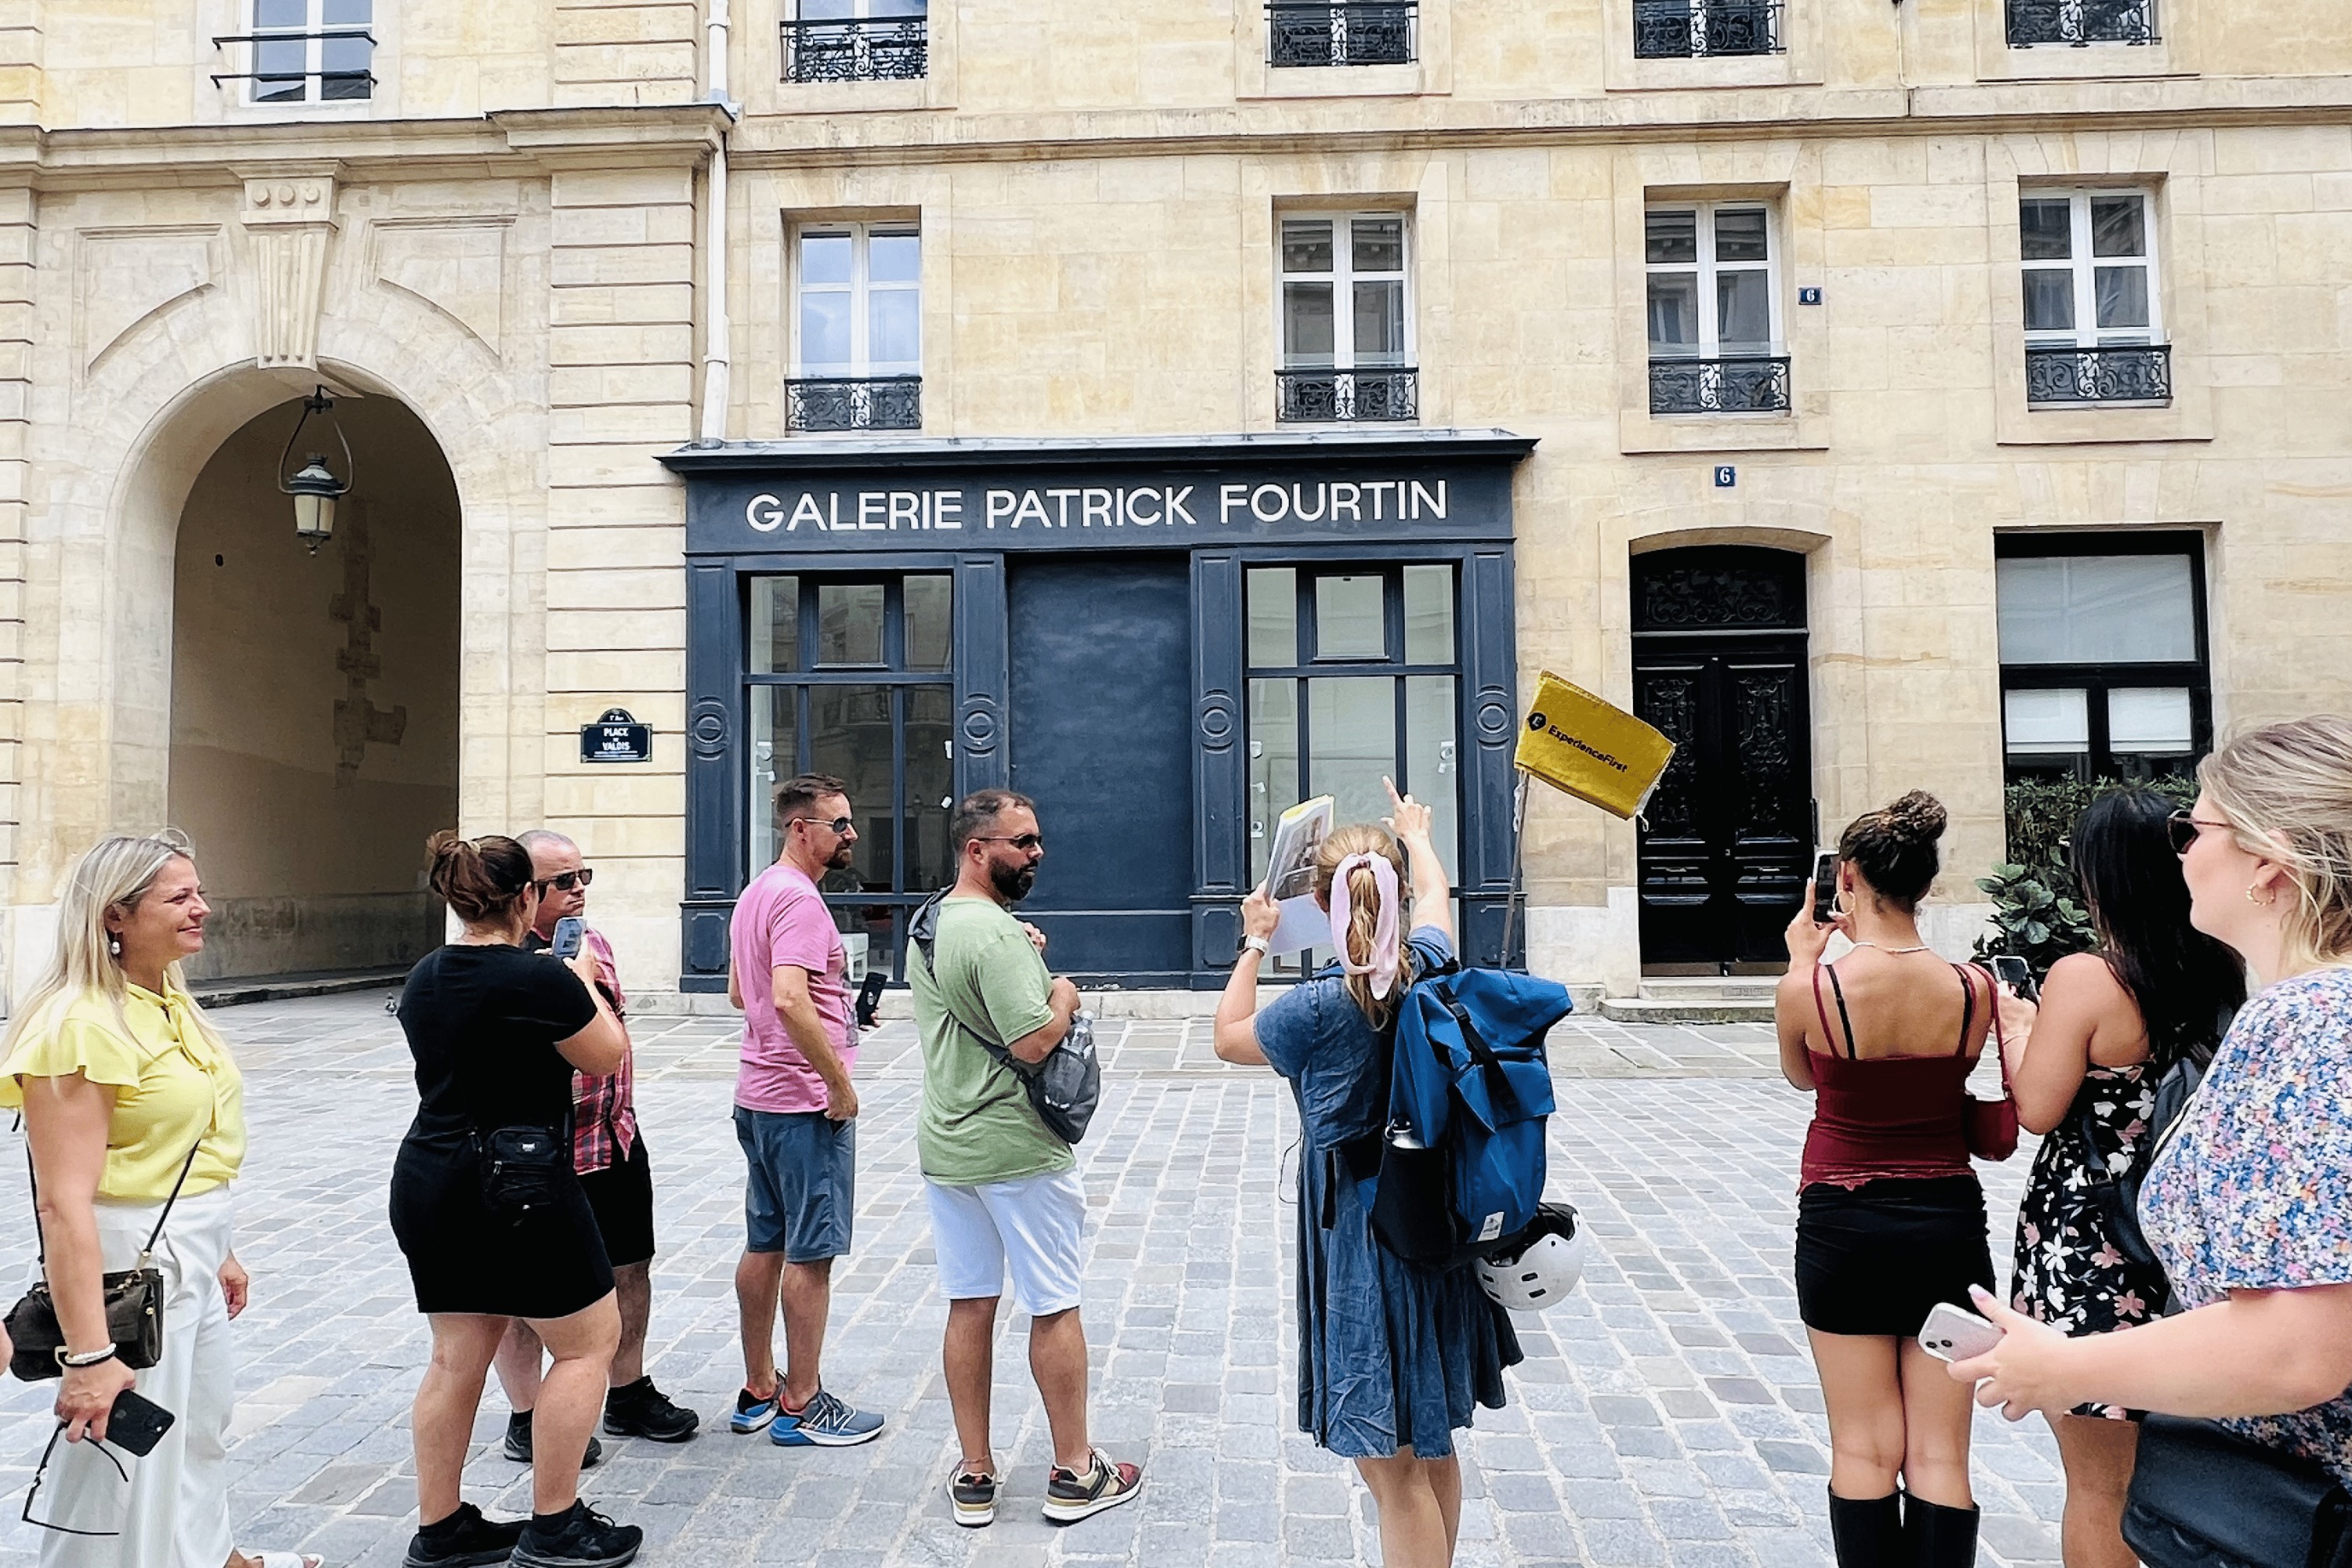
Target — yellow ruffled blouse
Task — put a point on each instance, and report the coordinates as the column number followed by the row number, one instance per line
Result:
column 171, row 1086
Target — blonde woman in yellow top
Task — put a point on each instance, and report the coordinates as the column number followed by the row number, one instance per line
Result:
column 120, row 1078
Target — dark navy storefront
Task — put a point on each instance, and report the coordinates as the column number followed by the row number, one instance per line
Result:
column 1163, row 643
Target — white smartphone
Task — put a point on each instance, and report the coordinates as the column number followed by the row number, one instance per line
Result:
column 1955, row 1334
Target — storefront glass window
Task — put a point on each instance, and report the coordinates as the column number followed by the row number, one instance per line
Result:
column 1351, row 617
column 1272, row 616
column 2103, row 662
column 1429, row 614
column 875, row 707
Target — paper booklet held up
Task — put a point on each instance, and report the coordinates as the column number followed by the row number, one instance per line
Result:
column 1291, row 875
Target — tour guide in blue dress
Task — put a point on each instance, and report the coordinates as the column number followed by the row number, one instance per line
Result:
column 1391, row 1358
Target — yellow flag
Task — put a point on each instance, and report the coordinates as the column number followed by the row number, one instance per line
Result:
column 1593, row 749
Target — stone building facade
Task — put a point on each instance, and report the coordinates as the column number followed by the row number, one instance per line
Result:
column 1881, row 396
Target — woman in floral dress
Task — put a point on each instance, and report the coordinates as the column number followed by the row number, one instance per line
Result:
column 2111, row 1024
column 2248, row 1203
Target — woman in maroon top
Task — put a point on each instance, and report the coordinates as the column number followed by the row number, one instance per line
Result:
column 1890, row 1218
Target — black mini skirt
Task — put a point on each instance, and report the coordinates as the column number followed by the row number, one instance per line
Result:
column 1873, row 1259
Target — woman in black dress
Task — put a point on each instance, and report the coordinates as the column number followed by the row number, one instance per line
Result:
column 2111, row 1024
column 491, row 1232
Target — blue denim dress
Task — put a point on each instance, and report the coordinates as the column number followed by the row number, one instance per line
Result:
column 1388, row 1357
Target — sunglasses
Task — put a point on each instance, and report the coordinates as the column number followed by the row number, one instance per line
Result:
column 41, row 1472
column 839, row 823
column 2184, row 828
column 1024, row 842
column 568, row 881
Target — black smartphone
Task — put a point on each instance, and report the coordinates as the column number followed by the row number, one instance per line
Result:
column 566, row 942
column 2013, row 971
column 870, row 999
column 1825, row 866
column 136, row 1424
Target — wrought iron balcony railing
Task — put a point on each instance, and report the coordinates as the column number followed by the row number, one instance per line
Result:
column 1325, row 396
column 882, row 48
column 854, row 403
column 1739, row 385
column 275, row 62
column 2081, row 23
column 1340, row 32
column 1705, row 30
column 2139, row 373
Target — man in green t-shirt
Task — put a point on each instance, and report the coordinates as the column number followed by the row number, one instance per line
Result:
column 1003, row 1190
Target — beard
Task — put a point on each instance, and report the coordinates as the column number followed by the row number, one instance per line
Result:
column 843, row 855
column 1013, row 881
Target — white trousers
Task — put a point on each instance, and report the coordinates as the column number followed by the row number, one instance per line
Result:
column 174, row 1511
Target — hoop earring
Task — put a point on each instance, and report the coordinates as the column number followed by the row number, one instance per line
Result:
column 2265, row 903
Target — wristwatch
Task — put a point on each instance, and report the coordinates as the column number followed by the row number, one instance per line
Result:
column 1256, row 945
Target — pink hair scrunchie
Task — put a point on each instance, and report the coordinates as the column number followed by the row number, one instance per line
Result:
column 1382, row 966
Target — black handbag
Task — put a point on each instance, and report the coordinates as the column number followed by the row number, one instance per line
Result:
column 2203, row 1497
column 523, row 1171
column 2117, row 1195
column 134, row 1301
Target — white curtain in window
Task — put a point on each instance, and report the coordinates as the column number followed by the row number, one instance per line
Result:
column 2096, row 609
column 2046, row 723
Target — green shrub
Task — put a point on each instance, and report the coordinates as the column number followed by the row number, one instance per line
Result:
column 2037, row 906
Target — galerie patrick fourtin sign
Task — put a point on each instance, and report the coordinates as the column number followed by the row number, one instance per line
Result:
column 913, row 510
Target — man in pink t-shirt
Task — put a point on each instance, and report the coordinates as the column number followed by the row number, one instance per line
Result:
column 796, row 1117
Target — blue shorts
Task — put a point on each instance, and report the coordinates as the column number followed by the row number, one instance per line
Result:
column 803, row 1188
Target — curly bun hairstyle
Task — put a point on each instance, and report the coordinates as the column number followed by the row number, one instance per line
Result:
column 481, row 877
column 1893, row 847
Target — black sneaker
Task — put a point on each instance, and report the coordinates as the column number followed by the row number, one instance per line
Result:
column 464, row 1540
column 640, row 1410
column 975, row 1496
column 579, row 1537
column 518, row 1448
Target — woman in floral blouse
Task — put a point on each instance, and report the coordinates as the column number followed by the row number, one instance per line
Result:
column 2249, row 1205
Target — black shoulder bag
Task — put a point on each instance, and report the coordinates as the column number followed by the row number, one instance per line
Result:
column 134, row 1301
column 2203, row 1497
column 2117, row 1196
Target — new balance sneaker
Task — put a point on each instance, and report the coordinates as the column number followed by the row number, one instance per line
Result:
column 518, row 1445
column 579, row 1537
column 1071, row 1495
column 753, row 1413
column 640, row 1410
column 464, row 1540
column 975, row 1498
column 824, row 1423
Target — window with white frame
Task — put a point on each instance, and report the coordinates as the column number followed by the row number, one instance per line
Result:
column 2103, row 655
column 1346, row 305
column 1714, row 308
column 858, row 344
column 309, row 51
column 2094, row 318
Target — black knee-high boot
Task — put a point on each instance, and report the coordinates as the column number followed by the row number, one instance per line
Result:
column 1868, row 1532
column 1940, row 1537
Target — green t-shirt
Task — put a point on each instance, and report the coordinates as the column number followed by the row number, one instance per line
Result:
column 977, row 1125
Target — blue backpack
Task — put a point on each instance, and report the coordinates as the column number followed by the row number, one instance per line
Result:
column 1462, row 1166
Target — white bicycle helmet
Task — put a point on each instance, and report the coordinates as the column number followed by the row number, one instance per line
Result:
column 1544, row 1268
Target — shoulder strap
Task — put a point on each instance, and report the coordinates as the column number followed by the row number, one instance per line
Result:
column 1838, row 991
column 186, row 1166
column 33, row 1181
column 1968, row 1008
column 923, row 935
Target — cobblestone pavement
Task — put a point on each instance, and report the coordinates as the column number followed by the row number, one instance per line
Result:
column 1666, row 1416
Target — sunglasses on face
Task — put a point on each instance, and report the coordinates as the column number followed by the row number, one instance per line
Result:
column 568, row 881
column 839, row 823
column 2183, row 830
column 1024, row 842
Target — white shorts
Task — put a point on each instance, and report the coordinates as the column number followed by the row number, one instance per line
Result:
column 1035, row 1227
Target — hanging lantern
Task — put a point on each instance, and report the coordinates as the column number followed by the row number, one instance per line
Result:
column 314, row 487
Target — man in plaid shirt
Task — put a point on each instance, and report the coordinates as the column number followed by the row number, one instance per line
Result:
column 610, row 1156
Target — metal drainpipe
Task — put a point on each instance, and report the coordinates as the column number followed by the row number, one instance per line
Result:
column 715, row 334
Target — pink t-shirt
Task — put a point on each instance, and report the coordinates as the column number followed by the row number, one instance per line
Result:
column 782, row 919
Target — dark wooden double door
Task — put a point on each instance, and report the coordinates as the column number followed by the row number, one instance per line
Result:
column 1719, row 665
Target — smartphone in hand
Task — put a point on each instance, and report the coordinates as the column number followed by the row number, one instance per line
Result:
column 568, row 932
column 135, row 1425
column 2014, row 972
column 1955, row 1334
column 1825, row 880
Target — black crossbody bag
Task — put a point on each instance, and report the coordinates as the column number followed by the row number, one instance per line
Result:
column 2203, row 1497
column 134, row 1299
